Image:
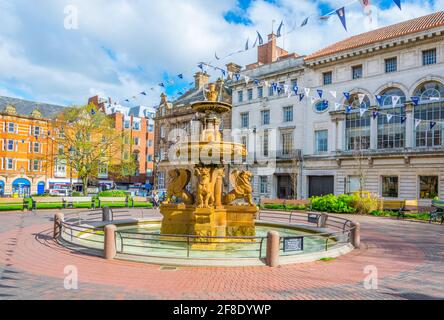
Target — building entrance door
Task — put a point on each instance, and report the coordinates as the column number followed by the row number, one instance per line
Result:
column 321, row 186
column 284, row 190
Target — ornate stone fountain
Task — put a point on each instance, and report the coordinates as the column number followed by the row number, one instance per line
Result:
column 209, row 212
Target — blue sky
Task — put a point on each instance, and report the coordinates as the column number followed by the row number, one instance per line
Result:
column 124, row 47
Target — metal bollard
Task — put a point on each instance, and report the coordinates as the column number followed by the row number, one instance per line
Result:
column 356, row 234
column 110, row 250
column 273, row 242
column 107, row 214
column 58, row 220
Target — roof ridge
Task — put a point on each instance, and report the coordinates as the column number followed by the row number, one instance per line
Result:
column 399, row 29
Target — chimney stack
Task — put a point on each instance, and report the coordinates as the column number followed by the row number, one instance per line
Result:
column 200, row 80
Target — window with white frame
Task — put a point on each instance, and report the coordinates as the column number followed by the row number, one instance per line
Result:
column 391, row 65
column 392, row 131
column 288, row 114
column 240, row 96
column 321, row 138
column 357, row 72
column 390, row 187
column 263, row 184
column 429, row 57
column 36, row 131
column 161, row 180
column 136, row 125
column 36, row 147
column 357, row 131
column 126, row 124
column 327, row 78
column 287, row 142
column 11, row 127
column 10, row 146
column 429, row 131
column 428, row 187
column 35, row 165
column 260, row 92
column 245, row 121
column 250, row 94
column 9, row 164
column 265, row 116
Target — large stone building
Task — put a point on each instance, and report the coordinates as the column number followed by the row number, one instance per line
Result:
column 390, row 143
column 177, row 120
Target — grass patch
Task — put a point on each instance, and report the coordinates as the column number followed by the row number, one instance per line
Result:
column 327, row 259
column 148, row 205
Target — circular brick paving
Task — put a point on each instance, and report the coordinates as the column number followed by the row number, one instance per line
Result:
column 408, row 256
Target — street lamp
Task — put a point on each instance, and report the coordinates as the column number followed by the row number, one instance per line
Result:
column 71, row 155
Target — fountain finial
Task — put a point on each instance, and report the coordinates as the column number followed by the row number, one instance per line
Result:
column 212, row 93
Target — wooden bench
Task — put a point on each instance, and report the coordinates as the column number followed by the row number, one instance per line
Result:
column 47, row 200
column 14, row 201
column 438, row 212
column 113, row 200
column 140, row 199
column 69, row 202
column 395, row 206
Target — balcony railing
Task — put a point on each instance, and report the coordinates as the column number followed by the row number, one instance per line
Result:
column 295, row 154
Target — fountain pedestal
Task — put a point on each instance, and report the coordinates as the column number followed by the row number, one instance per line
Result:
column 209, row 213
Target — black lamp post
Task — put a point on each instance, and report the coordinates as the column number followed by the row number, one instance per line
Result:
column 71, row 154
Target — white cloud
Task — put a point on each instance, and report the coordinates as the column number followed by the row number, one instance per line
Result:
column 149, row 39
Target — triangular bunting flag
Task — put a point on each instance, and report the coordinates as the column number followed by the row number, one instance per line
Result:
column 307, row 91
column 375, row 114
column 403, row 119
column 301, row 97
column 346, row 95
column 349, row 109
column 432, row 124
column 313, row 100
column 279, row 30
column 417, row 122
column 295, row 89
column 337, row 106
column 237, row 75
column 341, row 14
column 247, row 79
column 395, row 100
column 215, row 55
column 286, row 87
column 361, row 97
column 362, row 111
column 143, row 93
column 256, row 82
column 415, row 100
column 333, row 93
column 180, row 76
column 398, row 3
column 389, row 117
column 261, row 41
column 266, row 83
column 320, row 93
column 304, row 22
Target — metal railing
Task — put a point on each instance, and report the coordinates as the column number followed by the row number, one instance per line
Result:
column 333, row 231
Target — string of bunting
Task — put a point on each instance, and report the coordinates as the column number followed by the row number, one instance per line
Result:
column 340, row 12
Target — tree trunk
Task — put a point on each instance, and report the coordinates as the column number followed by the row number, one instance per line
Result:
column 85, row 186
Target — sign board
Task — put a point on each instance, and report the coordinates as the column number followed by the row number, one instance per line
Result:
column 313, row 218
column 292, row 244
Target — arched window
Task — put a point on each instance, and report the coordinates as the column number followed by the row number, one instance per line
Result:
column 430, row 91
column 321, row 106
column 388, row 94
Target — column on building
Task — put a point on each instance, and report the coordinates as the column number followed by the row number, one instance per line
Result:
column 373, row 131
column 409, row 125
column 338, row 118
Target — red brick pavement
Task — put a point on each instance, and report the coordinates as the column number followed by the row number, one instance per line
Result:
column 36, row 255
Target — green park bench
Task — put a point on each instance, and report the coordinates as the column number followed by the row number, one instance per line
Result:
column 113, row 200
column 70, row 202
column 58, row 201
column 5, row 202
column 140, row 200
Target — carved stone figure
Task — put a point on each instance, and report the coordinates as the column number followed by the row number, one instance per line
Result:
column 205, row 187
column 242, row 187
column 178, row 179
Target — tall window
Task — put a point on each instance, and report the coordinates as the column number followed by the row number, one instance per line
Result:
column 429, row 57
column 35, row 165
column 391, row 65
column 245, row 120
column 294, row 82
column 288, row 114
column 357, row 131
column 36, row 147
column 328, row 78
column 426, row 134
column 10, row 145
column 9, row 164
column 287, row 142
column 428, row 187
column 161, row 180
column 260, row 92
column 136, row 125
column 240, row 96
column 270, row 91
column 250, row 94
column 321, row 138
column 390, row 187
column 357, row 72
column 36, row 131
column 126, row 124
column 265, row 144
column 265, row 115
column 391, row 134
column 263, row 184
column 11, row 127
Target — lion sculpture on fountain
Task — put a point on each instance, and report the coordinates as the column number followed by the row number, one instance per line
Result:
column 241, row 180
column 178, row 179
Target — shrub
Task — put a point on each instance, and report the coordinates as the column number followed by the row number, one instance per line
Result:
column 333, row 204
column 112, row 194
column 283, row 207
column 77, row 194
column 366, row 205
